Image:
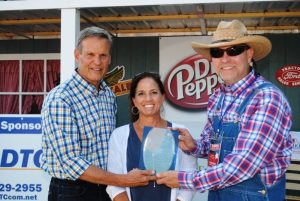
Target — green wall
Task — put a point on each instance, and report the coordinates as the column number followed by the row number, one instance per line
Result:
column 30, row 46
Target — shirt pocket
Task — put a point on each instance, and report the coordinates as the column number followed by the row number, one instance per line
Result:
column 86, row 128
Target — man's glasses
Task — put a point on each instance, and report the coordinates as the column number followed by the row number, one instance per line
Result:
column 231, row 51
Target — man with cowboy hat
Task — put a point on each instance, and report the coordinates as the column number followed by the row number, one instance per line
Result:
column 246, row 137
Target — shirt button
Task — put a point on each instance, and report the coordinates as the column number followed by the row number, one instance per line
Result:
column 263, row 192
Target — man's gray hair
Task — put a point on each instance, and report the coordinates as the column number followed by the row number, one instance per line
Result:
column 92, row 32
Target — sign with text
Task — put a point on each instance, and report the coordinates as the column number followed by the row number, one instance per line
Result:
column 190, row 82
column 289, row 75
column 20, row 153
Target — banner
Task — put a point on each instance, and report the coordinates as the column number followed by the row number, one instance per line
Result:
column 188, row 80
column 20, row 153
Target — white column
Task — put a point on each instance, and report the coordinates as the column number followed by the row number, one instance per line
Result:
column 70, row 27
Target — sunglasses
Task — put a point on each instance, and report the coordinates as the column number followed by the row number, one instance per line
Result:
column 231, row 51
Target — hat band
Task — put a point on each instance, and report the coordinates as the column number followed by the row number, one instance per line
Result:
column 221, row 41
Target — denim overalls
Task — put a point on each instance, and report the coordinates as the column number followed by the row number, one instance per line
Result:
column 249, row 190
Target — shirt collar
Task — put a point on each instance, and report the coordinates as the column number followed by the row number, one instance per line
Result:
column 239, row 86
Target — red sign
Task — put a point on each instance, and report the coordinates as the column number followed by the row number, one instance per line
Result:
column 289, row 75
column 190, row 82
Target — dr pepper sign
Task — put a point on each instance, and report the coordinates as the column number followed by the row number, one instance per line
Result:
column 190, row 82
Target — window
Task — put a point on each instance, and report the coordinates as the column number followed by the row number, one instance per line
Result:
column 25, row 80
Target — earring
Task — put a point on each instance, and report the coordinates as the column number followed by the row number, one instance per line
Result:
column 251, row 63
column 134, row 110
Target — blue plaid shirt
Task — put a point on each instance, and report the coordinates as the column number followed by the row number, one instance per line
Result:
column 77, row 121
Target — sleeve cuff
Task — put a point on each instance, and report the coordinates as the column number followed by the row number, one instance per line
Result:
column 185, row 180
column 196, row 150
column 75, row 168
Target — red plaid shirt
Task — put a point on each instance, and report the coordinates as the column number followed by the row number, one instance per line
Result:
column 263, row 145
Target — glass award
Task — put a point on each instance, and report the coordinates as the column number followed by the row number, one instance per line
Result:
column 159, row 149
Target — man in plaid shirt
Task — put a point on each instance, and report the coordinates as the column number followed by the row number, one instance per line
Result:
column 78, row 117
column 246, row 137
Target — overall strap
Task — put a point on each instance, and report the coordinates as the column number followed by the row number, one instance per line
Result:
column 250, row 96
column 217, row 119
column 218, row 107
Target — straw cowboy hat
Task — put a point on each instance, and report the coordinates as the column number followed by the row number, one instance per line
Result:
column 234, row 33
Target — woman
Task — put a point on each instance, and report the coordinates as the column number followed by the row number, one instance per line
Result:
column 146, row 98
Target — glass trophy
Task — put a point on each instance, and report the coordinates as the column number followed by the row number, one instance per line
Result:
column 159, row 149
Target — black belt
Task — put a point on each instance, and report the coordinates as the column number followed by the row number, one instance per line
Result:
column 77, row 182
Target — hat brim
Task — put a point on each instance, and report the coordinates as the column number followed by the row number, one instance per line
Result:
column 260, row 44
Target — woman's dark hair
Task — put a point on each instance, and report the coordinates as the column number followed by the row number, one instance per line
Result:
column 134, row 83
